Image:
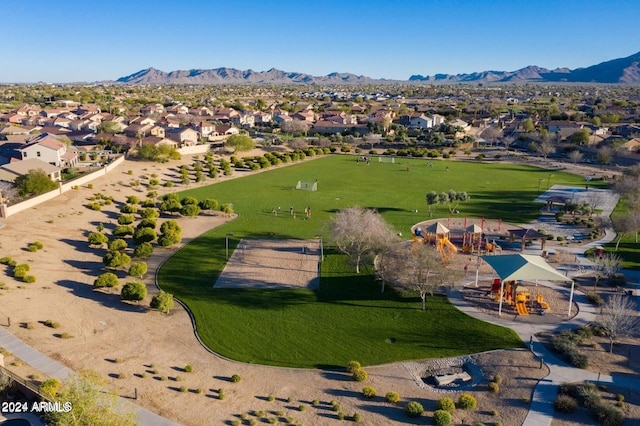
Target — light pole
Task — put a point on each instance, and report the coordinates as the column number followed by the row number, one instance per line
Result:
column 539, row 182
column 226, row 243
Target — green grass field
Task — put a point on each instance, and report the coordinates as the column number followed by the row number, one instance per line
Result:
column 348, row 318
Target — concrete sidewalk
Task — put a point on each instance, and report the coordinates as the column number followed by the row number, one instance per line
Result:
column 52, row 368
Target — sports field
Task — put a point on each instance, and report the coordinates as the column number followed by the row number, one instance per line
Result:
column 347, row 318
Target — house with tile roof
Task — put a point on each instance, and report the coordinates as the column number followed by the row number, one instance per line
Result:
column 50, row 149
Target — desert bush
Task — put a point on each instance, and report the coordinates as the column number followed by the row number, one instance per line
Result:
column 271, row 398
column 50, row 387
column 125, row 219
column 589, row 396
column 128, row 208
column 493, row 387
column 183, row 388
column 163, row 302
column 392, row 397
column 620, row 397
column 143, row 250
column 369, row 392
column 352, row 366
column 123, row 230
column 138, row 269
column 442, row 418
column 30, row 279
column 302, row 407
column 19, row 272
column 133, row 290
column 38, row 245
column 144, row 235
column 498, row 379
column 188, row 368
column 594, row 298
column 115, row 259
column 235, row 378
column 5, row 260
column 31, row 248
column 52, row 324
column 108, row 279
column 117, row 244
column 578, row 360
column 414, row 409
column 65, row 335
column 357, row 417
column 360, row 375
column 446, row 404
column 467, row 401
column 565, row 404
column 609, row 415
column 147, row 223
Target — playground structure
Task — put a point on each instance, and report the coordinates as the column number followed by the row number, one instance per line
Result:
column 519, row 296
column 437, row 234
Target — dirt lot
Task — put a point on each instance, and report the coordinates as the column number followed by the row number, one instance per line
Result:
column 136, row 348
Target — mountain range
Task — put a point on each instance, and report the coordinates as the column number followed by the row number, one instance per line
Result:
column 616, row 71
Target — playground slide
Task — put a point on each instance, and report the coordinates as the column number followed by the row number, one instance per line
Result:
column 544, row 305
column 522, row 308
column 450, row 246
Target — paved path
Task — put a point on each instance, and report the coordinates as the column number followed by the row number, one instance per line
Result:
column 52, row 368
column 541, row 410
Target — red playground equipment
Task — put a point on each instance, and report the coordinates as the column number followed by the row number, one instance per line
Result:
column 519, row 296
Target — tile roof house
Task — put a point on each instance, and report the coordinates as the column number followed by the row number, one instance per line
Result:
column 50, row 149
column 9, row 172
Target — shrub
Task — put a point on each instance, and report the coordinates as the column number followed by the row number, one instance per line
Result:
column 446, row 404
column 565, row 404
column 594, row 298
column 115, row 259
column 609, row 415
column 498, row 379
column 19, row 272
column 235, row 378
column 50, row 387
column 392, row 397
column 117, row 244
column 5, row 260
column 147, row 223
column 128, row 208
column 302, row 407
column 52, row 324
column 271, row 398
column 108, row 279
column 357, row 417
column 578, row 359
column 442, row 418
column 360, row 375
column 414, row 409
column 163, row 302
column 143, row 250
column 493, row 387
column 32, row 248
column 190, row 210
column 620, row 397
column 97, row 238
column 183, row 388
column 138, row 269
column 467, row 401
column 589, row 396
column 369, row 392
column 353, row 366
column 133, row 291
column 188, row 368
column 144, row 235
column 123, row 230
column 30, row 279
column 125, row 219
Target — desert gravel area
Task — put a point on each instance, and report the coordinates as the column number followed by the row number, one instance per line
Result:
column 141, row 350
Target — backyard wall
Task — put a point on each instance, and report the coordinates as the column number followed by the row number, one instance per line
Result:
column 6, row 211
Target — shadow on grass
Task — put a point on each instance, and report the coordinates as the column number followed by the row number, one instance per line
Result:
column 105, row 299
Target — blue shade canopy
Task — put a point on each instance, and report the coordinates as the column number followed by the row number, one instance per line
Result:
column 526, row 267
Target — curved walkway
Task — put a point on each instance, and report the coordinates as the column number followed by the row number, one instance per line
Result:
column 541, row 410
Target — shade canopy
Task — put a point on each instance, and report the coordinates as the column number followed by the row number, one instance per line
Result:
column 513, row 267
column 437, row 228
column 473, row 229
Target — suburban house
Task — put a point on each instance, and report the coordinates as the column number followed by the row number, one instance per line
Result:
column 158, row 141
column 328, row 127
column 152, row 109
column 48, row 148
column 184, row 136
column 9, row 172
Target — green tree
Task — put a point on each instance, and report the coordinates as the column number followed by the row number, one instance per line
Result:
column 116, row 259
column 240, row 143
column 133, row 290
column 432, row 200
column 163, row 301
column 190, row 210
column 138, row 269
column 528, row 125
column 143, row 250
column 580, row 137
column 117, row 244
column 97, row 239
column 144, row 235
column 88, row 404
column 169, row 238
column 189, row 201
column 209, row 204
column 108, row 279
column 123, row 230
column 149, row 213
column 35, row 182
column 110, row 127
column 170, row 205
column 170, row 225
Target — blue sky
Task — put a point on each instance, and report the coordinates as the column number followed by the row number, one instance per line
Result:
column 67, row 41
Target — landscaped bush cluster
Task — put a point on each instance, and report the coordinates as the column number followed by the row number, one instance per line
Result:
column 357, row 372
column 587, row 395
column 494, row 385
column 566, row 344
column 35, row 246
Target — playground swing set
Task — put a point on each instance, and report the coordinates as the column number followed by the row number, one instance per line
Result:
column 519, row 296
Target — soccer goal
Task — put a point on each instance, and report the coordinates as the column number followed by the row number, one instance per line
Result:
column 387, row 159
column 307, row 185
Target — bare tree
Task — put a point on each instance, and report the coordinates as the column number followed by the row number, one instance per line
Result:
column 594, row 199
column 508, row 141
column 492, row 134
column 545, row 148
column 622, row 224
column 575, row 156
column 358, row 232
column 297, row 143
column 294, row 126
column 416, row 267
column 605, row 267
column 617, row 317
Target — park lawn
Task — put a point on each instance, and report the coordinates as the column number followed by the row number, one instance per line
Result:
column 347, row 319
column 628, row 249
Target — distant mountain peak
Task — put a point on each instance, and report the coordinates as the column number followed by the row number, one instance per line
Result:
column 622, row 71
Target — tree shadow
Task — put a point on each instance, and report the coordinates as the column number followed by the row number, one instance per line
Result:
column 81, row 246
column 89, row 267
column 112, row 301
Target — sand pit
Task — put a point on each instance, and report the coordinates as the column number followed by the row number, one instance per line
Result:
column 264, row 263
